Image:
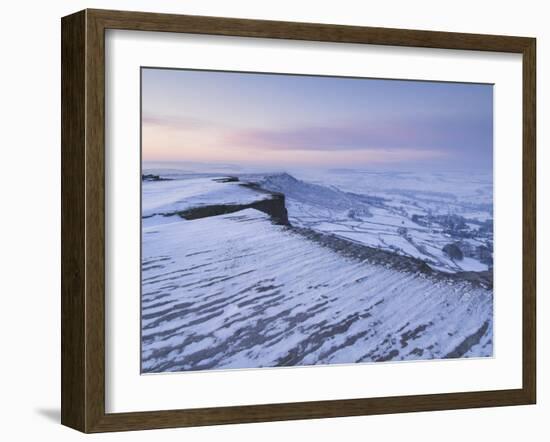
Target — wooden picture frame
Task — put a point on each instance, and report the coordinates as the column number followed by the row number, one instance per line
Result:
column 83, row 220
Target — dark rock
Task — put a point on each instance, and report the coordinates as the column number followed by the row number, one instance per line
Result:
column 151, row 177
column 274, row 207
column 388, row 357
column 229, row 179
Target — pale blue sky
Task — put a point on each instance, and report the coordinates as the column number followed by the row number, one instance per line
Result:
column 269, row 119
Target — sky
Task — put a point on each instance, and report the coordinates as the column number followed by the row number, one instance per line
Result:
column 274, row 121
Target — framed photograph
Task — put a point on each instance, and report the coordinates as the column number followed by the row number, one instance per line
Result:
column 267, row 220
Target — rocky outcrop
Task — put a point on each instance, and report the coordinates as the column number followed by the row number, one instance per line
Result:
column 227, row 179
column 274, row 206
column 152, row 177
column 401, row 263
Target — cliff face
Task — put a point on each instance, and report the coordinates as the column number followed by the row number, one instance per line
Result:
column 273, row 206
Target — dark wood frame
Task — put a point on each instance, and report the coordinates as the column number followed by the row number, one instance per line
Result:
column 83, row 220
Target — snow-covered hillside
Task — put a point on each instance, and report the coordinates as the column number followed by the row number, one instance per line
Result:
column 236, row 290
column 413, row 215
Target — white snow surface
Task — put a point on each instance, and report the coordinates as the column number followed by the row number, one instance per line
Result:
column 171, row 196
column 237, row 291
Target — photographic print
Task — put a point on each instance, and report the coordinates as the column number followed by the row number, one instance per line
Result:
column 300, row 220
